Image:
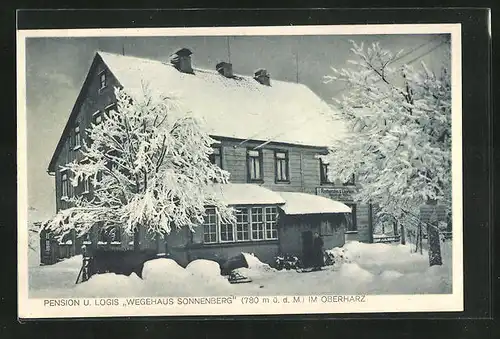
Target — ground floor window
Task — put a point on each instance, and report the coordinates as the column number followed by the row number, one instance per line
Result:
column 210, row 226
column 242, row 225
column 326, row 227
column 257, row 223
column 252, row 224
column 271, row 223
column 109, row 234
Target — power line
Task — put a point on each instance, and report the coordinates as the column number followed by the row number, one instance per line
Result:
column 396, row 59
column 399, row 58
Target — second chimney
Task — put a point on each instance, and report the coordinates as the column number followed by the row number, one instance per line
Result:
column 182, row 60
column 225, row 68
column 262, row 76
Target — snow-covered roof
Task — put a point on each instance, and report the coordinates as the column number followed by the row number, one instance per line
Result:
column 303, row 203
column 237, row 107
column 246, row 194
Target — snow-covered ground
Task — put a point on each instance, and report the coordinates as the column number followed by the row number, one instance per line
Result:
column 360, row 269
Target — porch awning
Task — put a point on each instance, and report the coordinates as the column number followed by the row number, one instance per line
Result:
column 246, row 194
column 303, row 203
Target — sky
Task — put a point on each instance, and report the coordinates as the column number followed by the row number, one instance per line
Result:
column 56, row 69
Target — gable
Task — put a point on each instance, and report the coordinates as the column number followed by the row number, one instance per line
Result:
column 89, row 97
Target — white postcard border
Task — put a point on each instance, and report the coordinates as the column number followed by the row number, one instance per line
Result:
column 35, row 308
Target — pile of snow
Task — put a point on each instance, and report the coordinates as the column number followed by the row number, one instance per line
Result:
column 255, row 264
column 361, row 269
column 380, row 257
column 256, row 268
column 208, row 273
column 160, row 277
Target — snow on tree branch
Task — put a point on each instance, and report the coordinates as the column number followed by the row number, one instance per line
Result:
column 148, row 164
column 400, row 119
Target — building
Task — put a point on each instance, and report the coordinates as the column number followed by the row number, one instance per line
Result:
column 271, row 137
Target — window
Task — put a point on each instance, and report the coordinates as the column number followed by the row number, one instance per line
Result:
column 242, row 226
column 47, row 242
column 97, row 118
column 326, row 227
column 271, row 223
column 210, row 227
column 351, row 219
column 110, row 234
column 86, row 185
column 64, row 185
column 254, row 160
column 257, row 223
column 76, row 137
column 350, row 182
column 281, row 162
column 254, row 223
column 216, row 157
column 109, row 108
column 102, row 79
column 226, row 232
column 323, row 170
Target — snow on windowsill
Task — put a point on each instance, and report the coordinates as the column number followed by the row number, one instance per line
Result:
column 116, row 243
column 69, row 242
column 351, row 232
column 87, row 242
column 77, row 147
column 86, row 192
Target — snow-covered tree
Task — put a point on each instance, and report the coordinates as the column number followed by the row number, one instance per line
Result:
column 399, row 145
column 148, row 165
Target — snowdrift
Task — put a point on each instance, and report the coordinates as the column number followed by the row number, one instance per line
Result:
column 359, row 269
column 160, row 277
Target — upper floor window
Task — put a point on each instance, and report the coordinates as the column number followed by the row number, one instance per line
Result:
column 351, row 219
column 216, row 156
column 64, row 185
column 86, row 185
column 350, row 182
column 103, row 79
column 323, row 171
column 254, row 163
column 97, row 118
column 281, row 162
column 77, row 137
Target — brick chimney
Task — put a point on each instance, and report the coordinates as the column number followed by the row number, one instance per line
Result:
column 225, row 68
column 262, row 76
column 182, row 60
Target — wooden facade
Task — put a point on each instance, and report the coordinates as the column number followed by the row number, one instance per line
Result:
column 303, row 173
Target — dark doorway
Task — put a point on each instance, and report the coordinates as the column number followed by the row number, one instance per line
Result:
column 307, row 248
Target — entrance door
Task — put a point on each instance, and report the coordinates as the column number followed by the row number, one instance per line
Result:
column 307, row 248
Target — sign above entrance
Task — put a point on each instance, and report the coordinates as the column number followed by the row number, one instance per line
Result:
column 343, row 193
